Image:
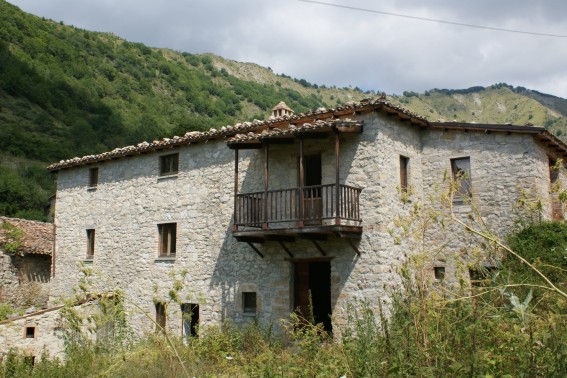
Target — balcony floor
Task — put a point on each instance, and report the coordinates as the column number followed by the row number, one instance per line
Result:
column 320, row 232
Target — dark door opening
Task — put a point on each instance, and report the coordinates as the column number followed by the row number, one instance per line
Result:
column 190, row 319
column 313, row 279
column 312, row 172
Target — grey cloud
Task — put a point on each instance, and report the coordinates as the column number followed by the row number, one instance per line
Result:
column 342, row 47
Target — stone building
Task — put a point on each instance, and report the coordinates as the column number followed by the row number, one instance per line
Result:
column 25, row 269
column 243, row 223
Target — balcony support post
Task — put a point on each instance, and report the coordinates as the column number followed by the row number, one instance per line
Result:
column 301, row 185
column 266, row 183
column 235, row 224
column 337, row 178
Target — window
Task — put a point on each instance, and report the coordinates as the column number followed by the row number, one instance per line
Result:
column 90, row 243
column 168, row 164
column 160, row 317
column 461, row 170
column 480, row 277
column 404, row 162
column 93, row 177
column 439, row 272
column 556, row 205
column 190, row 316
column 249, row 303
column 167, row 239
column 30, row 332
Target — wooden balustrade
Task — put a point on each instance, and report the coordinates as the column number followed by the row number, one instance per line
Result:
column 293, row 207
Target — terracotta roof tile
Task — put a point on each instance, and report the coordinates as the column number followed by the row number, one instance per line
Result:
column 37, row 238
column 228, row 132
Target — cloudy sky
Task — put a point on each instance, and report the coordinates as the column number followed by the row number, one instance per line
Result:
column 338, row 45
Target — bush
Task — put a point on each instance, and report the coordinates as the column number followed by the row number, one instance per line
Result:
column 545, row 246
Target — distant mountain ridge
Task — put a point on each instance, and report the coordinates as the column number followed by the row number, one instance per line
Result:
column 68, row 92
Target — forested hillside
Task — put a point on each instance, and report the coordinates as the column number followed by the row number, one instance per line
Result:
column 68, row 92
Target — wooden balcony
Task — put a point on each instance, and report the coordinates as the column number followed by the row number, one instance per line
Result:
column 284, row 213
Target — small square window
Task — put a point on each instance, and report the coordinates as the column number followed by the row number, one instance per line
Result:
column 249, row 303
column 439, row 272
column 168, row 164
column 90, row 244
column 461, row 173
column 30, row 332
column 93, row 177
column 167, row 239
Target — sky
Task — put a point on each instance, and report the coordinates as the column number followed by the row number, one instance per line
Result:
column 338, row 45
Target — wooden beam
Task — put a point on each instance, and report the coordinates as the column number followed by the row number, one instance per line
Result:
column 317, row 236
column 256, row 249
column 253, row 145
column 349, row 129
column 250, row 239
column 280, row 237
column 319, row 247
column 353, row 246
column 285, row 249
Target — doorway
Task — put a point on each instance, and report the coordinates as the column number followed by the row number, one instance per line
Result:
column 312, row 281
column 312, row 204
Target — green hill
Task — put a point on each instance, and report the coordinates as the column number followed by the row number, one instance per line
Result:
column 68, row 92
column 499, row 103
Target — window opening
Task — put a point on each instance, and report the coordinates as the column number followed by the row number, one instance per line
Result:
column 168, row 164
column 439, row 272
column 167, row 239
column 30, row 332
column 90, row 244
column 404, row 162
column 93, row 177
column 160, row 317
column 190, row 317
column 461, row 170
column 249, row 302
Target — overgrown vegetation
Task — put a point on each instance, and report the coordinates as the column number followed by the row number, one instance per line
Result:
column 512, row 324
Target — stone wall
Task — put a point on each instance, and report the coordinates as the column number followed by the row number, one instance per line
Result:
column 131, row 200
column 24, row 280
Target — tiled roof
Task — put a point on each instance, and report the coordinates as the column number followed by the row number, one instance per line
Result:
column 37, row 237
column 240, row 128
column 228, row 133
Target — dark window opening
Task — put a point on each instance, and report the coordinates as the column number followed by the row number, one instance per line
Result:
column 249, row 303
column 160, row 317
column 93, row 177
column 90, row 243
column 461, row 172
column 30, row 332
column 480, row 277
column 168, row 164
column 167, row 239
column 190, row 317
column 439, row 272
column 404, row 162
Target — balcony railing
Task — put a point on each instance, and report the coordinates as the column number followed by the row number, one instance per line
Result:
column 318, row 205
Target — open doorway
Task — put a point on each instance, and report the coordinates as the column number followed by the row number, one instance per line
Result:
column 312, row 172
column 313, row 279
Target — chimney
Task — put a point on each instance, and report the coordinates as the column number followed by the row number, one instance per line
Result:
column 280, row 110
